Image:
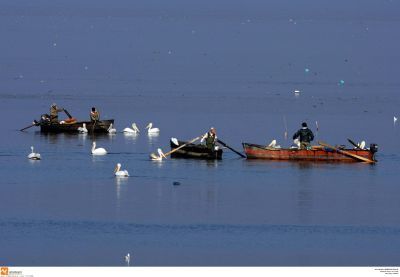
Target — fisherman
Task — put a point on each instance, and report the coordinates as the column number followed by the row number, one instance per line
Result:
column 54, row 110
column 305, row 136
column 94, row 115
column 211, row 139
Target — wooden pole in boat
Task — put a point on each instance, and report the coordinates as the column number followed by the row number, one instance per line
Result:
column 346, row 153
column 227, row 146
column 354, row 144
column 176, row 149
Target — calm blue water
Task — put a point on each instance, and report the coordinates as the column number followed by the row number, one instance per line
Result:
column 186, row 67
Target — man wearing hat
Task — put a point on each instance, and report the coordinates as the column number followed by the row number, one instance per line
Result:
column 94, row 115
column 305, row 136
column 54, row 110
column 210, row 138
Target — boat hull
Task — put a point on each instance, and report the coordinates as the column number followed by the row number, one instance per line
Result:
column 99, row 127
column 255, row 151
column 195, row 151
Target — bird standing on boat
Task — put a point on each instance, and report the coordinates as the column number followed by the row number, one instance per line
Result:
column 152, row 130
column 83, row 129
column 160, row 156
column 98, row 151
column 120, row 173
column 134, row 129
column 33, row 155
column 111, row 129
column 361, row 145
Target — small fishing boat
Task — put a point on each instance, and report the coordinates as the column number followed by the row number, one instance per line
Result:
column 72, row 126
column 317, row 153
column 194, row 151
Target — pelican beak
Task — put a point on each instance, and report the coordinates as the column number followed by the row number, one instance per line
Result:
column 116, row 169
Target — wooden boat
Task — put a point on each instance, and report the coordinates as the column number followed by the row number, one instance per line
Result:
column 72, row 127
column 194, row 151
column 318, row 153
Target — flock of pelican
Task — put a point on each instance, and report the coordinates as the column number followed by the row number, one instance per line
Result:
column 118, row 172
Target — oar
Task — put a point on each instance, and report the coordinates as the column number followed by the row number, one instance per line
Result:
column 67, row 113
column 227, row 146
column 33, row 124
column 354, row 144
column 176, row 149
column 354, row 156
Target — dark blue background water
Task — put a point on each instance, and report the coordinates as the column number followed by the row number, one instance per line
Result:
column 185, row 67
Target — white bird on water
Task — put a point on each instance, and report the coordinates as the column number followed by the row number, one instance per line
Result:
column 160, row 156
column 152, row 130
column 111, row 129
column 134, row 129
column 83, row 129
column 33, row 155
column 394, row 119
column 127, row 259
column 120, row 173
column 98, row 151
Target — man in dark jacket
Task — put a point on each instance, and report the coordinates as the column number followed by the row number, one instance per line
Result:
column 305, row 136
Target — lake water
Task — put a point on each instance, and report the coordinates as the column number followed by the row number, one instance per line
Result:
column 186, row 67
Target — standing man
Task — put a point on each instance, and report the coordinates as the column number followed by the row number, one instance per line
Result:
column 54, row 110
column 94, row 115
column 305, row 136
column 210, row 138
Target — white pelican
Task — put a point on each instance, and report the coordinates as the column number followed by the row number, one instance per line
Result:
column 127, row 259
column 160, row 156
column 394, row 119
column 33, row 155
column 272, row 144
column 83, row 129
column 111, row 129
column 98, row 151
column 134, row 129
column 361, row 144
column 152, row 130
column 120, row 173
column 297, row 143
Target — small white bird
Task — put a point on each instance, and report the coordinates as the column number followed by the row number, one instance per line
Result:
column 127, row 259
column 98, row 151
column 111, row 129
column 297, row 93
column 297, row 143
column 83, row 129
column 394, row 119
column 152, row 130
column 361, row 145
column 33, row 155
column 160, row 156
column 134, row 129
column 120, row 173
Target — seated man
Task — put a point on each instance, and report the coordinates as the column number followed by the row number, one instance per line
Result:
column 305, row 136
column 94, row 115
column 210, row 138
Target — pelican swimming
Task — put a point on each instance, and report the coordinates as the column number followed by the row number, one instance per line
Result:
column 120, row 173
column 134, row 129
column 160, row 156
column 83, row 129
column 33, row 155
column 152, row 130
column 111, row 129
column 98, row 151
